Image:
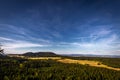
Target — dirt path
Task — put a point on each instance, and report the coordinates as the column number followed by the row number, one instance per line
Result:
column 88, row 62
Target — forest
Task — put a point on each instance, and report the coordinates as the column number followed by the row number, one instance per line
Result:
column 24, row 69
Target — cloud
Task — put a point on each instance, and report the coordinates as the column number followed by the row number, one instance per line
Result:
column 5, row 39
column 40, row 40
column 12, row 43
column 21, row 44
column 19, row 33
column 100, row 32
column 103, row 32
column 109, row 40
column 96, row 33
column 99, row 41
column 106, row 42
column 16, row 31
column 56, row 34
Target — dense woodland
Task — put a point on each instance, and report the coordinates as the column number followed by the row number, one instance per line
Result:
column 22, row 69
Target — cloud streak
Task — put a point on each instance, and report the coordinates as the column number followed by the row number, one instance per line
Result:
column 11, row 43
column 21, row 44
column 101, row 41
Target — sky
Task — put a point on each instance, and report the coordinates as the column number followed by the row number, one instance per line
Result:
column 60, row 26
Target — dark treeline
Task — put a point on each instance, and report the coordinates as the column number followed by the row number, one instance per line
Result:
column 21, row 69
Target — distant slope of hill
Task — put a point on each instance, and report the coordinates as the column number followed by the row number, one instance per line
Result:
column 3, row 56
column 40, row 54
column 92, row 55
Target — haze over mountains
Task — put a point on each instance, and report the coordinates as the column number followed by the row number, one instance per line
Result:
column 52, row 54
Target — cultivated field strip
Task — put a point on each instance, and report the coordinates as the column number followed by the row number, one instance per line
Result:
column 83, row 62
column 88, row 62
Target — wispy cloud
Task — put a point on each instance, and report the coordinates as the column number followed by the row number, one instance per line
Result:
column 100, row 41
column 12, row 43
column 56, row 34
column 12, row 28
column 100, row 33
column 5, row 39
column 21, row 44
column 16, row 32
column 21, row 33
column 40, row 40
column 96, row 34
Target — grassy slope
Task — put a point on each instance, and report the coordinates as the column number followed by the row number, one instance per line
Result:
column 21, row 69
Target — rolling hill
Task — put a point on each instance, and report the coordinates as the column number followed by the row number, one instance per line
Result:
column 40, row 54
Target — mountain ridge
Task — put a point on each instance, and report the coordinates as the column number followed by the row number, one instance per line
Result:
column 40, row 54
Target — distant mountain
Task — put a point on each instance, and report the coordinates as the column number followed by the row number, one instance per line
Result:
column 3, row 56
column 40, row 54
column 92, row 55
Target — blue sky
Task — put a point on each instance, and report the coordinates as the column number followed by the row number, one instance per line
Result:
column 61, row 26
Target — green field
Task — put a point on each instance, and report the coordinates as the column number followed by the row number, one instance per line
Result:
column 23, row 69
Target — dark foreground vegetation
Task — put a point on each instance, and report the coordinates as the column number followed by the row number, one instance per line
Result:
column 113, row 62
column 22, row 69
